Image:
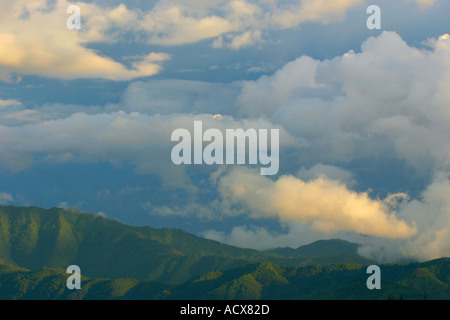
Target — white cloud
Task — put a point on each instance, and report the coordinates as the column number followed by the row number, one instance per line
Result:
column 432, row 214
column 326, row 205
column 236, row 42
column 267, row 94
column 191, row 209
column 171, row 26
column 313, row 10
column 41, row 44
column 180, row 96
column 5, row 198
column 117, row 138
column 24, row 116
column 331, row 172
column 36, row 41
column 9, row 103
column 428, row 217
column 261, row 238
column 177, row 22
column 390, row 98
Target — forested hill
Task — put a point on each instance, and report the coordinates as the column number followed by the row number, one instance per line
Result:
column 264, row 280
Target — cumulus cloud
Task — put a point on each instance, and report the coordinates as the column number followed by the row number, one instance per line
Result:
column 325, row 209
column 432, row 215
column 326, row 205
column 390, row 98
column 264, row 96
column 36, row 41
column 426, row 219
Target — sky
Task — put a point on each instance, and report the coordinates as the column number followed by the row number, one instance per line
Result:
column 86, row 117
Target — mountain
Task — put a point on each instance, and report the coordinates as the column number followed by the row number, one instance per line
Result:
column 124, row 262
column 268, row 281
column 333, row 247
column 50, row 284
column 264, row 280
column 35, row 238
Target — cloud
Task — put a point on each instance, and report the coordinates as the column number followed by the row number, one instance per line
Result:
column 5, row 198
column 424, row 3
column 36, row 40
column 267, row 94
column 425, row 221
column 170, row 25
column 9, row 103
column 261, row 238
column 39, row 43
column 24, row 116
column 117, row 137
column 313, row 10
column 390, row 98
column 236, row 42
column 191, row 209
column 432, row 215
column 326, row 205
column 180, row 96
column 331, row 172
column 241, row 22
column 152, row 97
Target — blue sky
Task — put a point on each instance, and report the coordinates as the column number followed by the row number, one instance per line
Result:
column 86, row 117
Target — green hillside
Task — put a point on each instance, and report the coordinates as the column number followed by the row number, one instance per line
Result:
column 333, row 247
column 268, row 281
column 340, row 281
column 35, row 238
column 124, row 262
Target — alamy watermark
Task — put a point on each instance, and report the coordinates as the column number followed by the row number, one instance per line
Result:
column 74, row 281
column 73, row 22
column 374, row 281
column 233, row 142
column 374, row 21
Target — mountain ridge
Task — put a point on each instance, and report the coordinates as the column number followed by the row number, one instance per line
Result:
column 259, row 281
column 34, row 238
